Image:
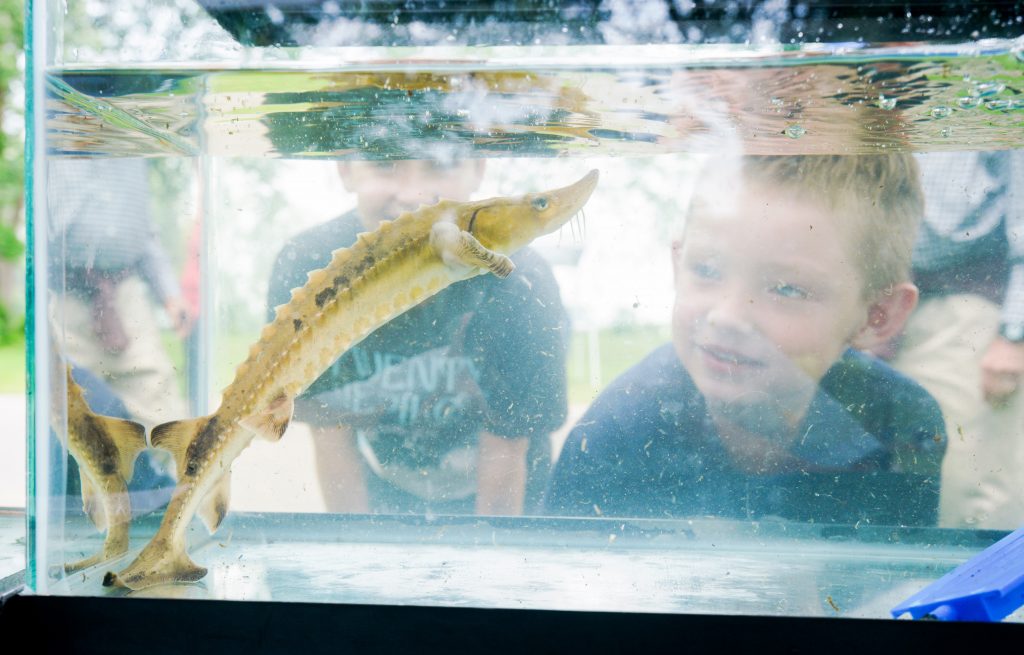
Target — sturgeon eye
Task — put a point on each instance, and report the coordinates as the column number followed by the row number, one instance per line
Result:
column 540, row 204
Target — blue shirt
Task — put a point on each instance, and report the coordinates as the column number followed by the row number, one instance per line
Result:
column 870, row 449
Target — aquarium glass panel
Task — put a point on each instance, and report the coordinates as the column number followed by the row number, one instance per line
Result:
column 642, row 306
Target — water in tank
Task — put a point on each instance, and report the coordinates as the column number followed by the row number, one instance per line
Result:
column 635, row 305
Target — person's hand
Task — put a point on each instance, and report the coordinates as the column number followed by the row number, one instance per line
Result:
column 1001, row 370
column 181, row 319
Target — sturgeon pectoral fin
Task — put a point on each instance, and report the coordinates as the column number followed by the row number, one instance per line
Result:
column 175, row 438
column 272, row 422
column 473, row 250
column 214, row 507
column 461, row 252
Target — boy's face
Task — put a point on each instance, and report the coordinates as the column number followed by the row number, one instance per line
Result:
column 767, row 297
column 386, row 189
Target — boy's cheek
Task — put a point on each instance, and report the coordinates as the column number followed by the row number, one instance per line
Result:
column 685, row 316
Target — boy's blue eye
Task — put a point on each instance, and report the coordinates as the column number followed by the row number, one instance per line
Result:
column 790, row 291
column 704, row 270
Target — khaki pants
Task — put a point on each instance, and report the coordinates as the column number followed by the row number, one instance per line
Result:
column 141, row 375
column 983, row 471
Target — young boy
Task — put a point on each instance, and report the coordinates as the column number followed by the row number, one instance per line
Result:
column 448, row 408
column 762, row 404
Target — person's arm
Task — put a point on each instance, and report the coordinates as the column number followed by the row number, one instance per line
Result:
column 339, row 469
column 520, row 340
column 155, row 268
column 1002, row 365
column 501, row 475
column 867, row 412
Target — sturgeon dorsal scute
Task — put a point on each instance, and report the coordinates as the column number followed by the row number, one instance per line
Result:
column 384, row 273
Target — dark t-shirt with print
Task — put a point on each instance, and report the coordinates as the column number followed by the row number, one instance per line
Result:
column 484, row 354
column 870, row 449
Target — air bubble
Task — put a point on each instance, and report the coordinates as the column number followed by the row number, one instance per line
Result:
column 999, row 105
column 886, row 103
column 794, row 131
column 988, row 89
column 778, row 102
column 941, row 111
column 968, row 102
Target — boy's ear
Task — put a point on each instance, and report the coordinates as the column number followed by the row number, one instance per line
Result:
column 887, row 316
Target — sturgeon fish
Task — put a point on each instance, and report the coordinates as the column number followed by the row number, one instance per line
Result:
column 383, row 274
column 105, row 449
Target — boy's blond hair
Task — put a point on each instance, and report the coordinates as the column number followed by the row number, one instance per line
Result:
column 879, row 196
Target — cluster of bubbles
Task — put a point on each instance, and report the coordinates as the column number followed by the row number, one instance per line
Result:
column 978, row 94
column 986, row 94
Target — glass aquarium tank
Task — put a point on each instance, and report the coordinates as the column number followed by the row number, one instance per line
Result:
column 640, row 306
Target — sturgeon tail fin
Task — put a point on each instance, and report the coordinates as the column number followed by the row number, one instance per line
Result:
column 158, row 563
column 108, row 504
column 130, row 438
column 127, row 439
column 175, row 437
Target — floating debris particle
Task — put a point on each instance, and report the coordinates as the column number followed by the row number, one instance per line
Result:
column 794, row 131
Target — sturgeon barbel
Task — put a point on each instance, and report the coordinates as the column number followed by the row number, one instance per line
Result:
column 383, row 274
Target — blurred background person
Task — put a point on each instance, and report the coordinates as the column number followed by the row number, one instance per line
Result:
column 965, row 341
column 113, row 287
column 112, row 280
column 449, row 407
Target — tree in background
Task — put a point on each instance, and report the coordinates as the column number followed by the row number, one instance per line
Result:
column 11, row 169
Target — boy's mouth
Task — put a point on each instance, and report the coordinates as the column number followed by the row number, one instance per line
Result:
column 726, row 359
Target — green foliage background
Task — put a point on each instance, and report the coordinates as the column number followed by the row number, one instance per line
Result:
column 12, row 161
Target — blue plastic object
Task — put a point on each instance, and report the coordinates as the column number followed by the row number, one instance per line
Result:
column 987, row 587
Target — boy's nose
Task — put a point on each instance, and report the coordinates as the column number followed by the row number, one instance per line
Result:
column 732, row 310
